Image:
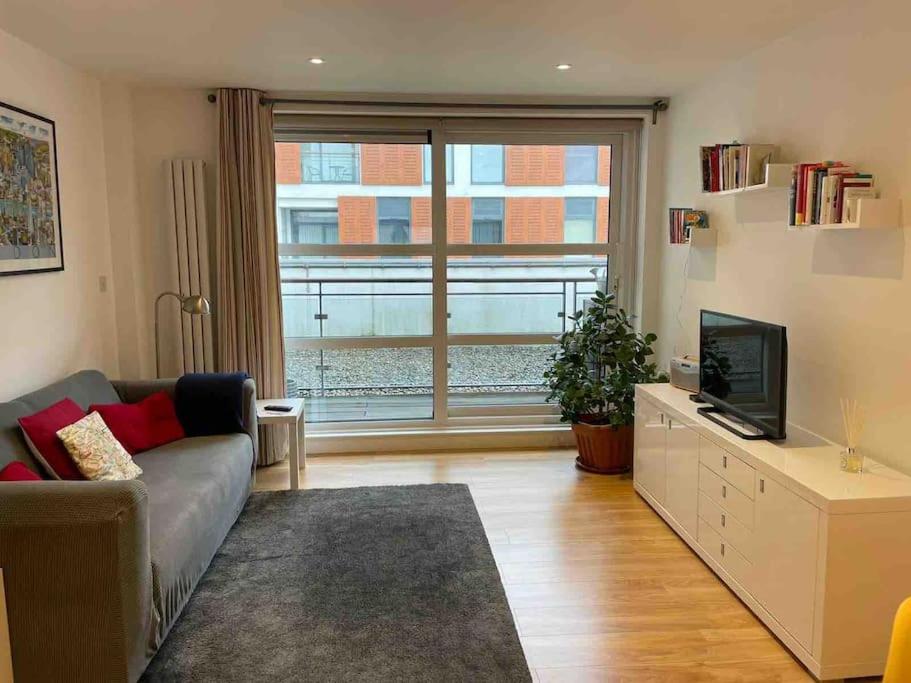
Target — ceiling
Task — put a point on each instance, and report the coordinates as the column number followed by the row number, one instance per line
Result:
column 616, row 47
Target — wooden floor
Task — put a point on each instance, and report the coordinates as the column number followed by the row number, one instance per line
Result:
column 601, row 589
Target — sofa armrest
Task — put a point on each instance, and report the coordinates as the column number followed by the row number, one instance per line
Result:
column 78, row 579
column 133, row 391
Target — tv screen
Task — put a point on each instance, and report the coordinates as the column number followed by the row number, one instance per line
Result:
column 743, row 370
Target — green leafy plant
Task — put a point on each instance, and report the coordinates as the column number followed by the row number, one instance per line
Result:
column 599, row 361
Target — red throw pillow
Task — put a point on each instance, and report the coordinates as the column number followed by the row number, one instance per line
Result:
column 141, row 426
column 41, row 434
column 18, row 471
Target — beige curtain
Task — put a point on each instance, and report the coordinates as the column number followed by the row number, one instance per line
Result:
column 248, row 309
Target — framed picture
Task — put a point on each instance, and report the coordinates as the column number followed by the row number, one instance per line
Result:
column 30, row 237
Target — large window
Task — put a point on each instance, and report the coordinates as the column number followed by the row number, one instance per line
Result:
column 581, row 165
column 329, row 162
column 487, row 164
column 487, row 221
column 418, row 299
column 393, row 216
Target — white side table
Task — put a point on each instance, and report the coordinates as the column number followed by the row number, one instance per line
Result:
column 294, row 418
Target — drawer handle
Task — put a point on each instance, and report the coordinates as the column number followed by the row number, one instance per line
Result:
column 724, row 461
column 762, row 486
column 722, row 549
column 723, row 519
column 724, row 491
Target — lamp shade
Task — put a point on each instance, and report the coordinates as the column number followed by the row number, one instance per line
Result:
column 195, row 305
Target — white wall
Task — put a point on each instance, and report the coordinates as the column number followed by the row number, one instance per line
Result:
column 838, row 88
column 145, row 127
column 52, row 324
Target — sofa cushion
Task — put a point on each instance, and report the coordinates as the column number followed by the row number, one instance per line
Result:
column 85, row 388
column 18, row 471
column 40, row 432
column 141, row 426
column 197, row 488
column 97, row 454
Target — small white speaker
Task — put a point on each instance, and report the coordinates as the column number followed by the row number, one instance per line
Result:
column 685, row 373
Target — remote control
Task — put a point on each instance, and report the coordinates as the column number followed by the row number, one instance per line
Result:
column 280, row 409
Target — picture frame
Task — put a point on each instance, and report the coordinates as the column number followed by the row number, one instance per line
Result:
column 31, row 234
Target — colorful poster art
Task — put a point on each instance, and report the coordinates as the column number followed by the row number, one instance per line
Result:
column 30, row 239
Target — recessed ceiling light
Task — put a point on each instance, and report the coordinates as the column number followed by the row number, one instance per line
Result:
column 564, row 67
column 317, row 60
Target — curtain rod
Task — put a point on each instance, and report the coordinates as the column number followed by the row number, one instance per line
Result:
column 654, row 107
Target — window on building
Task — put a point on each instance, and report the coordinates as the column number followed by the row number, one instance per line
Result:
column 313, row 226
column 393, row 215
column 581, row 164
column 579, row 220
column 487, row 221
column 487, row 164
column 428, row 166
column 329, row 162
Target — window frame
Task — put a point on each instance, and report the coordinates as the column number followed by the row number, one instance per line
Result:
column 502, row 180
column 593, row 181
column 622, row 245
column 410, row 218
column 356, row 157
column 426, row 153
column 593, row 216
column 293, row 210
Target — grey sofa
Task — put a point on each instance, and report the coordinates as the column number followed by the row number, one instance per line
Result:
column 96, row 573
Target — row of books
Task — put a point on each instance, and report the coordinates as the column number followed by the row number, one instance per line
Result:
column 734, row 166
column 827, row 192
column 682, row 223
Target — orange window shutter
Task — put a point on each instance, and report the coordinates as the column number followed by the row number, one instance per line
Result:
column 357, row 220
column 411, row 169
column 536, row 171
column 517, row 220
column 602, row 209
column 552, row 220
column 516, row 165
column 554, row 164
column 604, row 165
column 287, row 163
column 371, row 164
column 420, row 220
column 458, row 220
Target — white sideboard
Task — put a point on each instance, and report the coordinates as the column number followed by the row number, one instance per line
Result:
column 821, row 556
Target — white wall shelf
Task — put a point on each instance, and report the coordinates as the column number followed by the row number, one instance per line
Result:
column 872, row 214
column 777, row 176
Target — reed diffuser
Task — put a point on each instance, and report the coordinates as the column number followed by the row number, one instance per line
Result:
column 852, row 416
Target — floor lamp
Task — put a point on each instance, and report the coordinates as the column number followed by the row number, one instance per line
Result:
column 195, row 304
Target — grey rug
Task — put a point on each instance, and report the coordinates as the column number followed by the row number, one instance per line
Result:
column 391, row 583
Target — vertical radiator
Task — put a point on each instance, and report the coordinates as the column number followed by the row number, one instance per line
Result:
column 188, row 235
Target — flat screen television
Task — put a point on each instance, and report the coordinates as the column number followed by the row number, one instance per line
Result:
column 743, row 374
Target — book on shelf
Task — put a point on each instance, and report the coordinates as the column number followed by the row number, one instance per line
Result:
column 821, row 191
column 734, row 166
column 682, row 222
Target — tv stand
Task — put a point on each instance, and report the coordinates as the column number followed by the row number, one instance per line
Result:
column 821, row 557
column 731, row 423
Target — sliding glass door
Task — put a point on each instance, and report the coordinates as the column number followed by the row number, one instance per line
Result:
column 427, row 265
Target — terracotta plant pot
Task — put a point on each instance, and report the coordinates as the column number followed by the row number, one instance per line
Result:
column 603, row 449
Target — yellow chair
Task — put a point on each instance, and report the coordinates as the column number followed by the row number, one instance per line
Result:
column 898, row 665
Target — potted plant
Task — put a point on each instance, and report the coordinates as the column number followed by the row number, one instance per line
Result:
column 592, row 377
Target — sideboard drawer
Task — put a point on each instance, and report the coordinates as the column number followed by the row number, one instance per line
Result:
column 729, row 467
column 726, row 555
column 726, row 496
column 726, row 525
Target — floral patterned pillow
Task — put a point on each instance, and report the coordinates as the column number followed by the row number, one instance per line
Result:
column 97, row 454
